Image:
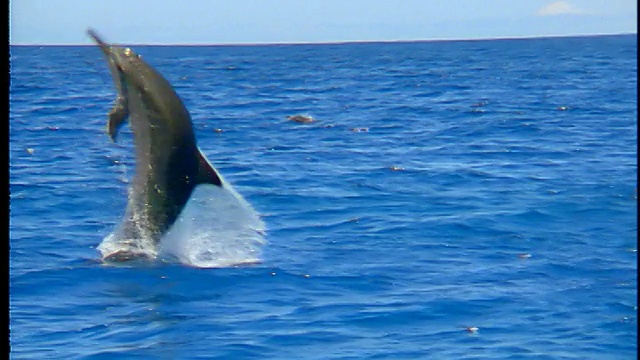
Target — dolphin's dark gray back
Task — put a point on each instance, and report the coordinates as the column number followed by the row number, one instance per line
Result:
column 168, row 162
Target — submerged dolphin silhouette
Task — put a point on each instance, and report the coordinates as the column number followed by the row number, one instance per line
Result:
column 169, row 164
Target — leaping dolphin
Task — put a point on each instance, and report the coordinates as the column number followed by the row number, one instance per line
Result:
column 169, row 164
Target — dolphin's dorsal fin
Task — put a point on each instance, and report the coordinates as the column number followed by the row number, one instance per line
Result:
column 206, row 173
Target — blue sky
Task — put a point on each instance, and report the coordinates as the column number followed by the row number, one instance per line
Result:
column 287, row 21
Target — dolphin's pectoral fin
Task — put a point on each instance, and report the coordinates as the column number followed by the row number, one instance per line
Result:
column 206, row 173
column 117, row 116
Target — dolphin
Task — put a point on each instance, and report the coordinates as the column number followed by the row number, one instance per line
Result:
column 168, row 165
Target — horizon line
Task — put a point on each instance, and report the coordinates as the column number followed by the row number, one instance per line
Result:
column 337, row 42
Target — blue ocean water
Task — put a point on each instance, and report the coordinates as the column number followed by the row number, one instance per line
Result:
column 453, row 200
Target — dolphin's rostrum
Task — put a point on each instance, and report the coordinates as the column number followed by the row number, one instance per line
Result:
column 169, row 164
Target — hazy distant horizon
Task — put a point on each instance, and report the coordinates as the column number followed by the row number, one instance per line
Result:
column 343, row 42
column 255, row 22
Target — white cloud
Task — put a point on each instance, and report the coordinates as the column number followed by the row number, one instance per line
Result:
column 559, row 8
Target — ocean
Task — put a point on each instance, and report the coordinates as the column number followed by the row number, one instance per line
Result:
column 451, row 200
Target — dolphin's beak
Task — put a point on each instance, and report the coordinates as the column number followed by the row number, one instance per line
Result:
column 106, row 48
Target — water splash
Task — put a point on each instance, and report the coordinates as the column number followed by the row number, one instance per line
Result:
column 217, row 228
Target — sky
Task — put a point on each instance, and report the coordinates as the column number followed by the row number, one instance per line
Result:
column 49, row 22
